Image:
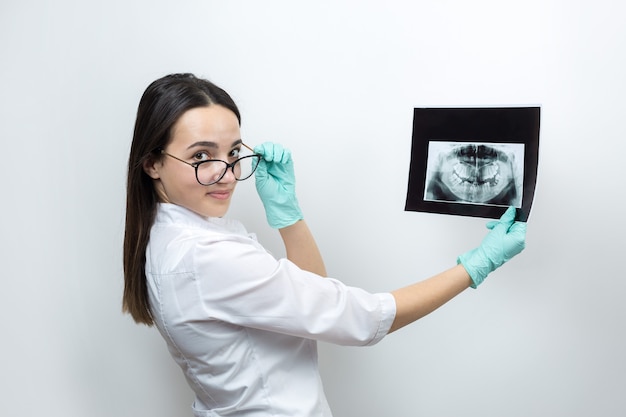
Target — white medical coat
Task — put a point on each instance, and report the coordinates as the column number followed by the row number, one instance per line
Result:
column 243, row 325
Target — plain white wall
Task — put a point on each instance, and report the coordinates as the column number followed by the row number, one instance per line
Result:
column 336, row 81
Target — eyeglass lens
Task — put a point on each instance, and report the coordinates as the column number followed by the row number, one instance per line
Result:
column 210, row 172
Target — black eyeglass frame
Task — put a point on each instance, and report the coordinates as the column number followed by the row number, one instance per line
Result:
column 231, row 165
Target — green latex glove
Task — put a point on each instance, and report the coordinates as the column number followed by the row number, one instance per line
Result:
column 506, row 239
column 276, row 185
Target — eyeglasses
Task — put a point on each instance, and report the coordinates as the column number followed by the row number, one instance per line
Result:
column 213, row 170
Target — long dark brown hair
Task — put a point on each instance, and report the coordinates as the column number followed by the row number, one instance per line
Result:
column 160, row 107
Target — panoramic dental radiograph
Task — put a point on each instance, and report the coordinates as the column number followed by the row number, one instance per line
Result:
column 477, row 173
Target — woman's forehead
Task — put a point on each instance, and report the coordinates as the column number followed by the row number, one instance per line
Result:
column 213, row 127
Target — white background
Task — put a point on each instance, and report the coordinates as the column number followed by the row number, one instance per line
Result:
column 336, row 81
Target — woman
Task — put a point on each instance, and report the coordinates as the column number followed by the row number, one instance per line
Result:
column 241, row 324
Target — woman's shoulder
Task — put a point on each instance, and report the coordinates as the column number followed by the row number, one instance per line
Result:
column 180, row 229
column 179, row 235
column 175, row 217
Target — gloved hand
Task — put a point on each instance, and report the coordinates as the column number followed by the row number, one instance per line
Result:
column 505, row 240
column 276, row 185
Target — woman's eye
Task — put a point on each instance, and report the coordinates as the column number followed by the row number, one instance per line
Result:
column 201, row 156
column 235, row 153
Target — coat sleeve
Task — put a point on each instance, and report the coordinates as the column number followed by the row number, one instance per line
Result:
column 238, row 282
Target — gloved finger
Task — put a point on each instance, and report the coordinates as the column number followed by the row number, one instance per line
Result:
column 273, row 152
column 516, row 239
column 261, row 170
column 510, row 212
column 281, row 155
column 518, row 231
column 286, row 156
column 509, row 216
column 505, row 222
column 490, row 225
column 266, row 150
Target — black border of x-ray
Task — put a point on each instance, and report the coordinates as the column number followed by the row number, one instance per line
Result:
column 478, row 124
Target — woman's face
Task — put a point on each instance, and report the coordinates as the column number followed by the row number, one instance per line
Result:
column 201, row 133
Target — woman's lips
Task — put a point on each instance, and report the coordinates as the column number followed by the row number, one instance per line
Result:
column 220, row 194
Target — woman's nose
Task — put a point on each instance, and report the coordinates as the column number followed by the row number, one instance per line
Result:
column 229, row 176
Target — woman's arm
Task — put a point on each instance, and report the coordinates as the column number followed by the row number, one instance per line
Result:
column 302, row 249
column 506, row 239
column 418, row 300
column 275, row 182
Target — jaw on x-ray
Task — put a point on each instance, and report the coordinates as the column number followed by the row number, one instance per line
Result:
column 477, row 173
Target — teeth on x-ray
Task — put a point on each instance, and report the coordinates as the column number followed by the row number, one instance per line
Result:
column 474, row 173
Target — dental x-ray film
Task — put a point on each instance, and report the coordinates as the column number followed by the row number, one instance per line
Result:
column 474, row 161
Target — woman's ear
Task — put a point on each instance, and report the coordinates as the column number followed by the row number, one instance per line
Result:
column 150, row 167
